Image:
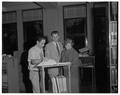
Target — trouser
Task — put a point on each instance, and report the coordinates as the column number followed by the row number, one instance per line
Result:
column 34, row 77
column 52, row 72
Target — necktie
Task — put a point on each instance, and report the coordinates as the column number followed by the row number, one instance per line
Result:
column 58, row 49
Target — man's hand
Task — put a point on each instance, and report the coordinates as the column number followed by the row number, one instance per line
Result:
column 36, row 61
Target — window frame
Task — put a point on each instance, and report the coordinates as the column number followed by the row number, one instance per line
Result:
column 85, row 5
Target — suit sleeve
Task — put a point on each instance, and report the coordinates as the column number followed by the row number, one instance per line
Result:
column 61, row 47
column 47, row 51
column 76, row 58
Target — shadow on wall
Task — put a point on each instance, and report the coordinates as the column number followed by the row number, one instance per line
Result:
column 24, row 69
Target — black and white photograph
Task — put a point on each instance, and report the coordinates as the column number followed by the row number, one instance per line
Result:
column 59, row 47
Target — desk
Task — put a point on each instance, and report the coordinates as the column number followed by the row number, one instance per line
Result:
column 88, row 62
column 42, row 70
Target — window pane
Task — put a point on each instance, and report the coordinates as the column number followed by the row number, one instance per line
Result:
column 31, row 29
column 79, row 42
column 77, row 25
column 9, row 38
column 76, row 29
column 32, row 15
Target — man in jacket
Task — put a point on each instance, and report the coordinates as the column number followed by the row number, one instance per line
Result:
column 53, row 51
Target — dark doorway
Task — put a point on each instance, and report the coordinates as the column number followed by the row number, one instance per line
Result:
column 100, row 47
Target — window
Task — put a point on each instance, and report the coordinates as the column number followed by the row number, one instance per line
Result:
column 75, row 25
column 32, row 26
column 9, row 32
column 9, row 38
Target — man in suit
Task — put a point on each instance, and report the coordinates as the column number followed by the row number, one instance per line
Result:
column 53, row 51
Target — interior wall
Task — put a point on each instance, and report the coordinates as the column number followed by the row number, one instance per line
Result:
column 53, row 20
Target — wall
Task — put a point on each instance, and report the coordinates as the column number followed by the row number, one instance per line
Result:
column 53, row 20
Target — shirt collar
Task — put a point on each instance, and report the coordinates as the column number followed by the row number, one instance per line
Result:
column 38, row 47
column 55, row 42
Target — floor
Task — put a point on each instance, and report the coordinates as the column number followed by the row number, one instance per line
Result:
column 85, row 84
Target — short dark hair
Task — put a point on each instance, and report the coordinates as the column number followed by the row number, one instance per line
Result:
column 39, row 38
column 54, row 32
column 69, row 40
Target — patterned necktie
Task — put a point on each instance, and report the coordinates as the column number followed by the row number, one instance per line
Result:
column 58, row 49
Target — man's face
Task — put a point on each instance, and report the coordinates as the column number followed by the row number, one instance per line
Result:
column 41, row 43
column 55, row 37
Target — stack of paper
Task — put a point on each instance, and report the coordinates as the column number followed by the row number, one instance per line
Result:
column 47, row 62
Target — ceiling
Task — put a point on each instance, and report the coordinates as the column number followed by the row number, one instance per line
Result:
column 12, row 6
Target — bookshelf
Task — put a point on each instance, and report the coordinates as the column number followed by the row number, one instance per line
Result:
column 113, row 49
column 113, row 57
